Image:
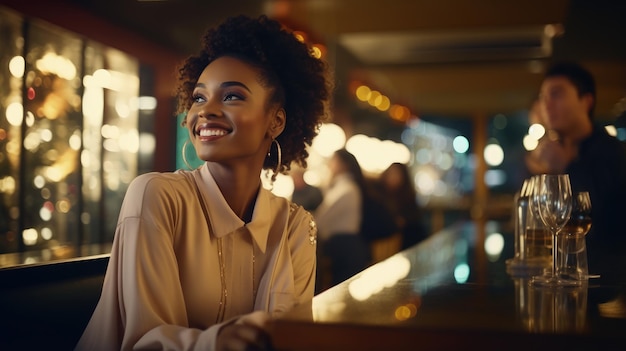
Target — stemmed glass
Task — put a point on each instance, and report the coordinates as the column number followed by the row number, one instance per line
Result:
column 553, row 197
column 572, row 253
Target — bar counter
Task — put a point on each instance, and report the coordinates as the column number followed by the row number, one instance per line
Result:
column 447, row 293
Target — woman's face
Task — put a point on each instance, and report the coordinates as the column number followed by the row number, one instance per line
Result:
column 393, row 178
column 229, row 119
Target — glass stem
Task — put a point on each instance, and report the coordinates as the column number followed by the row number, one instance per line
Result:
column 555, row 249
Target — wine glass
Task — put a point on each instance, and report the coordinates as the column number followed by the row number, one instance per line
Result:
column 553, row 197
column 572, row 251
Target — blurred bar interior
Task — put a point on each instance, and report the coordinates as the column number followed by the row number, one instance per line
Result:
column 445, row 87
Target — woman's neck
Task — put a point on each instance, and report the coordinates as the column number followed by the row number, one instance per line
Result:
column 238, row 186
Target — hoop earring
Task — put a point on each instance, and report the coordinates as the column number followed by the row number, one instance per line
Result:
column 280, row 156
column 278, row 163
column 184, row 152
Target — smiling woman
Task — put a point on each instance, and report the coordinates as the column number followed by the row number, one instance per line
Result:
column 203, row 258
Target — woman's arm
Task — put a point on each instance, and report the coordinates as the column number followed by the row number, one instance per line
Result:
column 142, row 304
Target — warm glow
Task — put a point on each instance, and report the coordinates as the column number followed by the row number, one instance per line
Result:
column 75, row 141
column 399, row 113
column 15, row 114
column 330, row 139
column 112, row 80
column 122, row 108
column 59, row 65
column 130, row 141
column 46, row 233
column 45, row 213
column 318, row 51
column 611, row 130
column 45, row 134
column 529, row 142
column 384, row 104
column 282, row 186
column 425, row 181
column 110, row 131
column 312, row 178
column 374, row 96
column 32, row 141
column 17, row 66
column 111, row 145
column 147, row 143
column 301, row 36
column 405, row 312
column 145, row 103
column 63, row 206
column 375, row 155
column 494, row 155
column 7, row 185
column 363, row 93
column 537, row 131
column 494, row 243
column 29, row 236
column 382, row 275
column 39, row 181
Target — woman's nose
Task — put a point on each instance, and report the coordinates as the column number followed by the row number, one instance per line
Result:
column 211, row 108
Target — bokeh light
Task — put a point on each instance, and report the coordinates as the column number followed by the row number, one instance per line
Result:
column 536, row 131
column 330, row 139
column 494, row 155
column 460, row 144
column 17, row 66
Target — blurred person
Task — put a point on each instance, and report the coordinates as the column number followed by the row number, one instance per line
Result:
column 401, row 200
column 594, row 160
column 304, row 194
column 339, row 219
column 203, row 258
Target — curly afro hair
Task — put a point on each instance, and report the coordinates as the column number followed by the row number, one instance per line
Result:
column 299, row 82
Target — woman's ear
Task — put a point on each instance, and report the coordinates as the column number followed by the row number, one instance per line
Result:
column 278, row 123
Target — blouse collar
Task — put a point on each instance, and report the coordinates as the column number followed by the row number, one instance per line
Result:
column 223, row 219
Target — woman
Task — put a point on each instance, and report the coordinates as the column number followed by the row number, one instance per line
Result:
column 401, row 200
column 339, row 219
column 196, row 252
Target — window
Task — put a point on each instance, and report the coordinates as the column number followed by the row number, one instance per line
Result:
column 70, row 139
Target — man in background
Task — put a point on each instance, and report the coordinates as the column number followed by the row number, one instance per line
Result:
column 594, row 160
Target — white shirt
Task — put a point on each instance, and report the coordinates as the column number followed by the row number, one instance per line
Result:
column 340, row 212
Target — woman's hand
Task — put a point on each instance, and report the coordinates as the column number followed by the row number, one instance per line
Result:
column 247, row 333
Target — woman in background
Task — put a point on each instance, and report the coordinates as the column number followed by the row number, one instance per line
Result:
column 339, row 219
column 202, row 258
column 401, row 199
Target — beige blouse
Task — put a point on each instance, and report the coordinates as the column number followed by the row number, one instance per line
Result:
column 183, row 264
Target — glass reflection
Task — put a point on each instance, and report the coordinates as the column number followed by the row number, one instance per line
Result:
column 551, row 310
column 70, row 140
column 53, row 59
column 12, row 63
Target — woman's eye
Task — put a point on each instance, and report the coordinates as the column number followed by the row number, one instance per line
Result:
column 232, row 97
column 197, row 98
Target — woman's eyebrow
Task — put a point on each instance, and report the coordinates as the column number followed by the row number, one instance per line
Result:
column 226, row 85
column 234, row 83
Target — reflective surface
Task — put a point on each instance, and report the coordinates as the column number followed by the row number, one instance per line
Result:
column 448, row 293
column 71, row 141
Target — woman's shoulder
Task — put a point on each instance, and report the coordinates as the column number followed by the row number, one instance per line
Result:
column 295, row 211
column 154, row 182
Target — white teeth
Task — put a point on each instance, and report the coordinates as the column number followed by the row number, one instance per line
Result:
column 212, row 132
